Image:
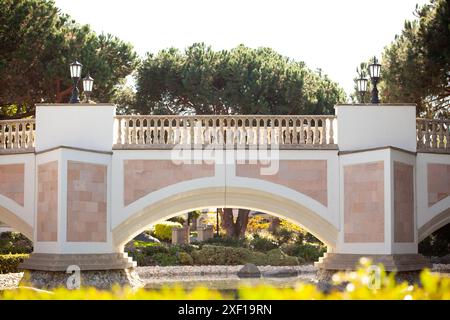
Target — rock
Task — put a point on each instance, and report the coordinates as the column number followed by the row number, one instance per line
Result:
column 281, row 273
column 146, row 238
column 249, row 271
column 435, row 259
column 445, row 259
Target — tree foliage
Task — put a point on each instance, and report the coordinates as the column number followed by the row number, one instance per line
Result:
column 416, row 65
column 37, row 45
column 239, row 81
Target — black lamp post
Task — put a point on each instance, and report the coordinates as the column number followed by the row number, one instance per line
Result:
column 88, row 83
column 374, row 72
column 361, row 83
column 75, row 73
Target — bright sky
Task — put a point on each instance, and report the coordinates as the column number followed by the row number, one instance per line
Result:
column 328, row 34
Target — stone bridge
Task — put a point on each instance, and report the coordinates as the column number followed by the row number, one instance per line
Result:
column 81, row 181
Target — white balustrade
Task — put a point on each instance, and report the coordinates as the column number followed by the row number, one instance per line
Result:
column 433, row 135
column 162, row 131
column 17, row 135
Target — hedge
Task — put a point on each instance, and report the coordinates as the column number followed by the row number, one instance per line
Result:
column 10, row 262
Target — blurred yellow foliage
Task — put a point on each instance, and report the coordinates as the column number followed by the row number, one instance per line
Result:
column 357, row 285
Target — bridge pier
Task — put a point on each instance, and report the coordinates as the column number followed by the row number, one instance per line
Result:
column 94, row 180
column 72, row 235
column 378, row 195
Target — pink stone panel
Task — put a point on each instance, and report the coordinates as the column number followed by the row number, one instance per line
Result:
column 47, row 202
column 438, row 182
column 86, row 202
column 142, row 177
column 403, row 202
column 12, row 180
column 364, row 202
column 305, row 176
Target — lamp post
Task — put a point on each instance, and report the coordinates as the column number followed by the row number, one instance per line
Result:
column 75, row 73
column 374, row 72
column 361, row 83
column 88, row 83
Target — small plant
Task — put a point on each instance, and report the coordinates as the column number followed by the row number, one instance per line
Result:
column 14, row 242
column 10, row 262
column 163, row 230
column 262, row 244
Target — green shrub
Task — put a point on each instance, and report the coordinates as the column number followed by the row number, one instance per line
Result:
column 185, row 259
column 307, row 252
column 213, row 255
column 165, row 259
column 262, row 244
column 152, row 250
column 226, row 242
column 285, row 235
column 10, row 262
column 14, row 242
column 163, row 230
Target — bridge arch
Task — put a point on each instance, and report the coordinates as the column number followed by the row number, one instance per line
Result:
column 15, row 222
column 234, row 197
column 437, row 222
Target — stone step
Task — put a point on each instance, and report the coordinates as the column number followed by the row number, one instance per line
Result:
column 60, row 262
column 399, row 262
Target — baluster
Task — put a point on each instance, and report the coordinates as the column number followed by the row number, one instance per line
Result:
column 2, row 134
column 207, row 132
column 9, row 136
column 331, row 132
column 227, row 132
column 308, row 132
column 427, row 134
column 324, row 131
column 16, row 136
column 162, row 131
column 258, row 131
column 119, row 130
column 441, row 135
column 433, row 135
column 169, row 132
column 127, row 130
column 447, row 135
column 266, row 131
column 316, row 131
column 147, row 131
column 419, row 133
column 236, row 132
column 294, row 131
column 302, row 131
column 251, row 134
column 141, row 131
column 191, row 130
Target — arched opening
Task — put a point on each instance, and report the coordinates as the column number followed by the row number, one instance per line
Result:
column 434, row 238
column 245, row 198
column 14, row 221
column 434, row 224
column 16, row 236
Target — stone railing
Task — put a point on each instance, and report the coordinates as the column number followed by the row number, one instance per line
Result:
column 285, row 131
column 17, row 135
column 433, row 135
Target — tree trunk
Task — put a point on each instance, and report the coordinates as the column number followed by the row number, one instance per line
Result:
column 274, row 224
column 234, row 229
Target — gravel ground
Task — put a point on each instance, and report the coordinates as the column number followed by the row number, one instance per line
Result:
column 11, row 280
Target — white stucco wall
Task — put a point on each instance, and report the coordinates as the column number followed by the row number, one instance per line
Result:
column 87, row 126
column 371, row 126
